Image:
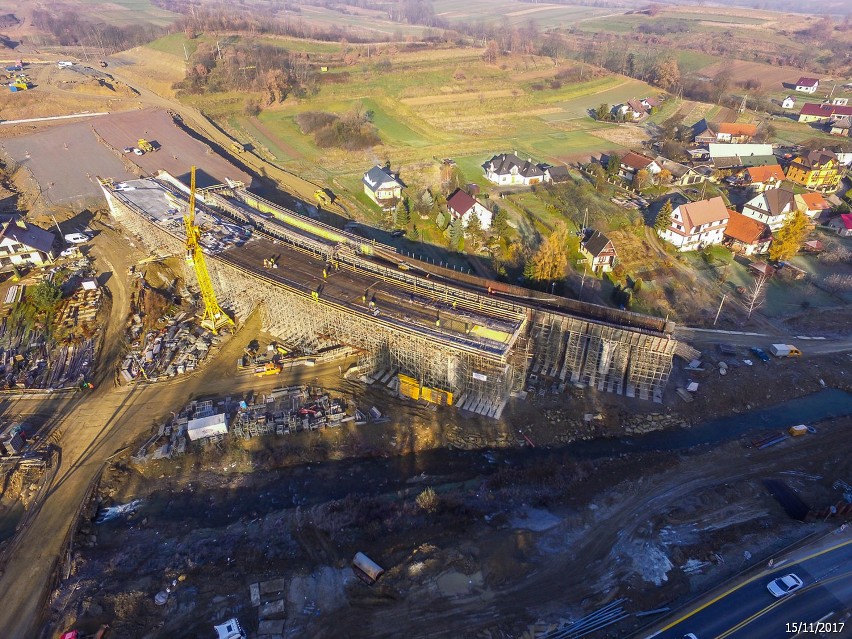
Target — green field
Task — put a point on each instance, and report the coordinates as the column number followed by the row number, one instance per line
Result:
column 174, row 44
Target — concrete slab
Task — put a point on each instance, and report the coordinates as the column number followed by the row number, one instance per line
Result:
column 273, row 586
column 273, row 610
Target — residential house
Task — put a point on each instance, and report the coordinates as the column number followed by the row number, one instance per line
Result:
column 818, row 171
column 650, row 103
column 735, row 132
column 462, row 205
column 382, row 186
column 812, row 204
column 697, row 224
column 702, row 133
column 841, row 127
column 764, row 177
column 823, row 112
column 557, row 174
column 599, row 251
column 630, row 111
column 682, row 175
column 842, row 224
column 789, row 102
column 772, row 207
column 734, row 155
column 633, row 162
column 24, row 243
column 508, row 168
column 807, row 85
column 746, row 235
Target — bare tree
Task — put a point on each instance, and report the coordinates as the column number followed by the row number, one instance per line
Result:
column 756, row 295
column 838, row 283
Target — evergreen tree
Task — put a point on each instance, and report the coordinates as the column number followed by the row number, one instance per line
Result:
column 664, row 217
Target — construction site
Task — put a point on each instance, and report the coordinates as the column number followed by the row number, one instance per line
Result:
column 450, row 338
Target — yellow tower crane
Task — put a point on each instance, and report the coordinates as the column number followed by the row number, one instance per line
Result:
column 214, row 317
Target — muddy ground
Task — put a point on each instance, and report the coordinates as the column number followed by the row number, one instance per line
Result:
column 514, row 535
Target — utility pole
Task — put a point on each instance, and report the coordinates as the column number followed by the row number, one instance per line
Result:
column 743, row 104
column 724, row 296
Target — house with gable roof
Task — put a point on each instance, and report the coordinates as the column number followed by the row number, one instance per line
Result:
column 382, row 186
column 462, row 205
column 697, row 224
column 508, row 168
column 764, row 177
column 818, row 171
column 25, row 243
column 599, row 251
column 746, row 235
column 772, row 207
column 807, row 85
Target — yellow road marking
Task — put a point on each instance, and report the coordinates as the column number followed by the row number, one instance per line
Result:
column 748, row 581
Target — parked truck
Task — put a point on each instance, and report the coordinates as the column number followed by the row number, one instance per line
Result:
column 784, row 350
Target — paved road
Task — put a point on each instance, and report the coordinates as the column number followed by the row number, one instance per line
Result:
column 705, row 339
column 747, row 610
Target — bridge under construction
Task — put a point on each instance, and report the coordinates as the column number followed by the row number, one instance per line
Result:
column 451, row 338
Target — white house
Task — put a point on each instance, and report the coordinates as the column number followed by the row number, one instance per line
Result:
column 697, row 224
column 508, row 168
column 382, row 186
column 842, row 224
column 462, row 205
column 807, row 85
column 25, row 243
column 789, row 102
column 771, row 207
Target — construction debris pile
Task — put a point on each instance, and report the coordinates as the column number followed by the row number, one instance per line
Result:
column 177, row 348
column 289, row 410
column 60, row 356
column 280, row 412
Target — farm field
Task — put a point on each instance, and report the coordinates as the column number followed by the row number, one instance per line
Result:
column 423, row 108
column 515, row 13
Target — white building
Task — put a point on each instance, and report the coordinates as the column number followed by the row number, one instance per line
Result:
column 789, row 102
column 807, row 85
column 462, row 205
column 771, row 207
column 697, row 224
column 25, row 243
column 508, row 168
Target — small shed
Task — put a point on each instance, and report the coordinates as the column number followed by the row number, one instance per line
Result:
column 204, row 427
column 762, row 268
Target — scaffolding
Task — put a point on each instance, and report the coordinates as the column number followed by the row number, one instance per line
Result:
column 533, row 344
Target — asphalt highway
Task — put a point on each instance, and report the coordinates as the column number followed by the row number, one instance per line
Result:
column 747, row 610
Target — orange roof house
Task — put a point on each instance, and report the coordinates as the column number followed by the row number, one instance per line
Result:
column 746, row 235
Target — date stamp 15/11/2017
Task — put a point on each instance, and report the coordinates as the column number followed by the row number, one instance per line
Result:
column 815, row 627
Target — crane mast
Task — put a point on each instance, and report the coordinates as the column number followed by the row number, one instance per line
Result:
column 214, row 318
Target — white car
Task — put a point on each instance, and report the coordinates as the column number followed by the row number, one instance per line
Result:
column 77, row 238
column 138, row 151
column 784, row 585
column 69, row 252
